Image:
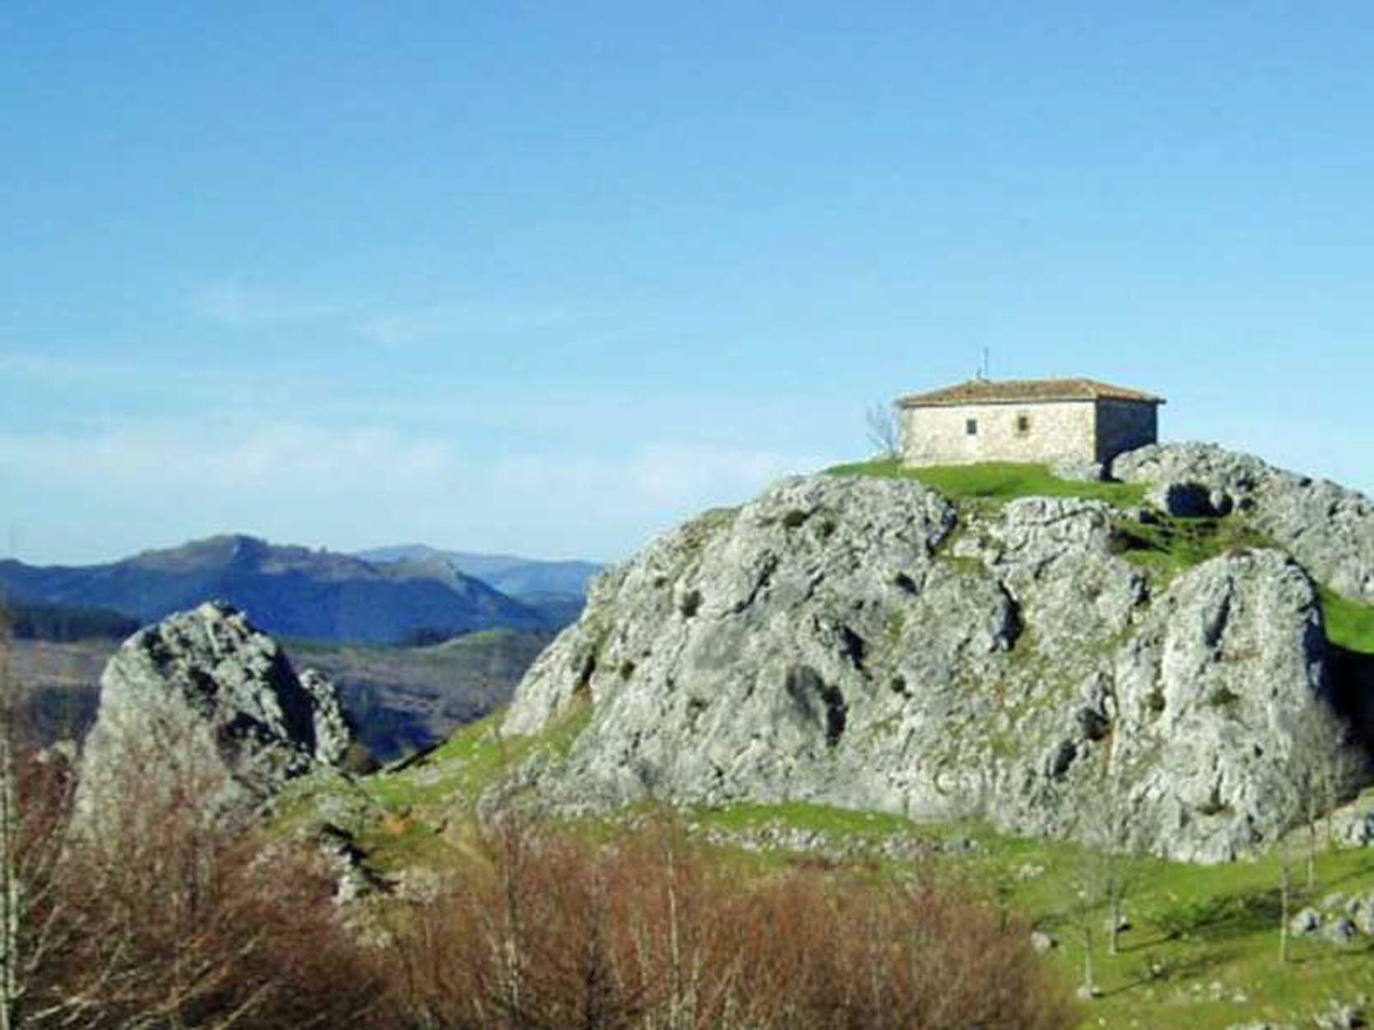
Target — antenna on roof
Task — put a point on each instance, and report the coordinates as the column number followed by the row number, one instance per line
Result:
column 983, row 366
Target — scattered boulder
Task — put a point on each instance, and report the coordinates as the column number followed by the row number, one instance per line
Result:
column 1078, row 470
column 1353, row 824
column 1340, row 1015
column 354, row 878
column 1306, row 921
column 204, row 707
column 1042, row 942
column 1339, row 930
column 1360, row 909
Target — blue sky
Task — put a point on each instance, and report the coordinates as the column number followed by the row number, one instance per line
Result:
column 547, row 277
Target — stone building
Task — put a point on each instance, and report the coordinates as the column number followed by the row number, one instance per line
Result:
column 1026, row 420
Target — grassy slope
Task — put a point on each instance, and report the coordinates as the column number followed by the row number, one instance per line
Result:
column 1348, row 623
column 1201, row 953
column 427, row 805
column 1202, row 950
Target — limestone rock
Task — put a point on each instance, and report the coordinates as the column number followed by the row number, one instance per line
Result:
column 204, row 705
column 1042, row 942
column 1306, row 921
column 1327, row 528
column 1360, row 909
column 1338, row 931
column 1078, row 469
column 333, row 734
column 354, row 878
column 858, row 642
column 1340, row 1015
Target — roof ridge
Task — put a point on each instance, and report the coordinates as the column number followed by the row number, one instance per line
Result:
column 1010, row 391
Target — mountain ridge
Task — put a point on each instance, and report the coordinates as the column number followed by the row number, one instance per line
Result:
column 288, row 589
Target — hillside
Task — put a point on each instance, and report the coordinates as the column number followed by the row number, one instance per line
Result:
column 873, row 643
column 556, row 589
column 291, row 591
column 405, row 699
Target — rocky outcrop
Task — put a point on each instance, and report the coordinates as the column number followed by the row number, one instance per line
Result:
column 1326, row 527
column 863, row 643
column 205, row 706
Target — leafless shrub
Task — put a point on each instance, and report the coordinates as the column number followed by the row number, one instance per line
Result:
column 650, row 932
column 155, row 915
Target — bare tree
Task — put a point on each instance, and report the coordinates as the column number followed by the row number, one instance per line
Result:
column 1320, row 764
column 884, row 431
column 36, row 924
column 1326, row 767
column 1114, row 832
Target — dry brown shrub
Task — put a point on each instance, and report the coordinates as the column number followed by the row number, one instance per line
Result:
column 166, row 919
column 552, row 930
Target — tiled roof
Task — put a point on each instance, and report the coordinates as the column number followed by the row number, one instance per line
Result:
column 1012, row 391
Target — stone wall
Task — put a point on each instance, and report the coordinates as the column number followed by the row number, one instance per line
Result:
column 1035, row 431
column 1123, row 426
column 1031, row 432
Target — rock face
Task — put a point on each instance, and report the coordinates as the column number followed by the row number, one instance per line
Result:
column 863, row 643
column 1326, row 527
column 204, row 704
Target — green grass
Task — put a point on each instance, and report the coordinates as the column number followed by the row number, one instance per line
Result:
column 1349, row 624
column 802, row 815
column 438, row 793
column 1192, row 926
column 1169, row 545
column 996, row 481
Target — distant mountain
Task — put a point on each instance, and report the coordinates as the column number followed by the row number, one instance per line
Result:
column 292, row 591
column 508, row 573
column 557, row 589
column 405, row 699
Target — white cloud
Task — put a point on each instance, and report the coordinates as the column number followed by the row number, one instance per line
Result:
column 220, row 455
column 650, row 477
column 155, row 484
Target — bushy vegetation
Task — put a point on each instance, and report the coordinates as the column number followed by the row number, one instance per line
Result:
column 163, row 920
column 553, row 929
column 996, row 481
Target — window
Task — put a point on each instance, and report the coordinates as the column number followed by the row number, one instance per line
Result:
column 1022, row 425
column 971, row 427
